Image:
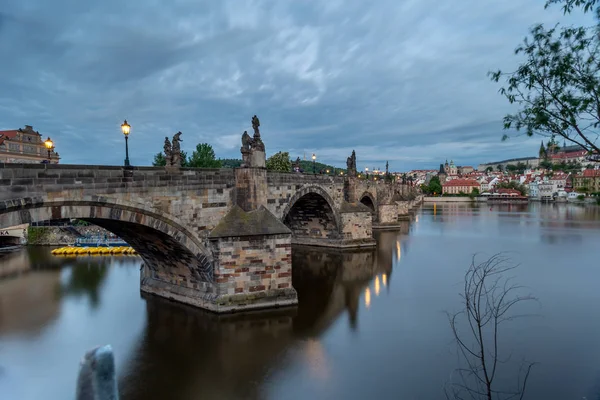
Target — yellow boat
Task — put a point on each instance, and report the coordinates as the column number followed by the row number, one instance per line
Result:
column 96, row 251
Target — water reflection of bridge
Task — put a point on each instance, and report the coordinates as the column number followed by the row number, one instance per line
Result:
column 31, row 284
column 185, row 352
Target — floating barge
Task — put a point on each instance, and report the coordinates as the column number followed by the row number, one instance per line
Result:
column 95, row 246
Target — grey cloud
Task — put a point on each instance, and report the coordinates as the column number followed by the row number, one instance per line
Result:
column 404, row 81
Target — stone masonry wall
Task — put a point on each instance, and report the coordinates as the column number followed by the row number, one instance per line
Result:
column 388, row 213
column 357, row 226
column 253, row 264
column 283, row 186
column 253, row 269
column 198, row 197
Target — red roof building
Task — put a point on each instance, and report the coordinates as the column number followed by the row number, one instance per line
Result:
column 457, row 186
column 24, row 146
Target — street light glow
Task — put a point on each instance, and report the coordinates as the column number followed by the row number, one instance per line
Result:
column 314, row 157
column 125, row 127
column 49, row 143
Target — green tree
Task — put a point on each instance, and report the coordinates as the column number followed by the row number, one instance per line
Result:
column 203, row 157
column 489, row 169
column 568, row 5
column 279, row 162
column 557, row 85
column 231, row 162
column 159, row 160
column 434, row 186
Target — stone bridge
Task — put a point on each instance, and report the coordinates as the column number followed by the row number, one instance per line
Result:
column 219, row 239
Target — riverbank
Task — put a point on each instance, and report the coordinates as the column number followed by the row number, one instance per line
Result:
column 60, row 235
column 448, row 200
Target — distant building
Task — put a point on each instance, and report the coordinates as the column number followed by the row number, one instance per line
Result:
column 24, row 146
column 465, row 170
column 530, row 162
column 457, row 186
column 589, row 178
column 442, row 174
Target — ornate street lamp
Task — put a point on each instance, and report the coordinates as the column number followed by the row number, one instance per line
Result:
column 367, row 172
column 125, row 127
column 50, row 146
column 314, row 158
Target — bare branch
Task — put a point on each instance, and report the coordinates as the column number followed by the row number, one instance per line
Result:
column 488, row 298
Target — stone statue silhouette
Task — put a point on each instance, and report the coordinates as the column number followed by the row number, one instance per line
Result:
column 246, row 149
column 351, row 164
column 168, row 150
column 255, row 125
column 257, row 143
column 176, row 150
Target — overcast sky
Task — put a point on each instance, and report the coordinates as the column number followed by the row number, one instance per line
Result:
column 397, row 80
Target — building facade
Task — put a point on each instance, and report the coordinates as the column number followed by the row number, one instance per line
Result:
column 458, row 186
column 589, row 178
column 26, row 146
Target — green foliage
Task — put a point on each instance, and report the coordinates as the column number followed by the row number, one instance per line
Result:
column 568, row 5
column 434, row 187
column 474, row 193
column 546, row 164
column 500, row 168
column 581, row 197
column 161, row 161
column 518, row 169
column 36, row 234
column 489, row 169
column 231, row 162
column 556, row 87
column 279, row 162
column 307, row 167
column 204, row 157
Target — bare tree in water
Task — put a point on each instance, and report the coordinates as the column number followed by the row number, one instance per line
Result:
column 488, row 298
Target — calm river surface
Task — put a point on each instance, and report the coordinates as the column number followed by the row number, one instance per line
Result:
column 370, row 324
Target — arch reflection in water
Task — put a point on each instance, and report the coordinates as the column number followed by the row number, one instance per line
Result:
column 40, row 287
column 188, row 353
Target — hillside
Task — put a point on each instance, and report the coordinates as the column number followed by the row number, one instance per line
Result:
column 305, row 165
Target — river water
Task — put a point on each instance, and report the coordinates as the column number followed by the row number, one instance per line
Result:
column 370, row 324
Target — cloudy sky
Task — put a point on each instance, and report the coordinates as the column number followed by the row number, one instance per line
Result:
column 397, row 80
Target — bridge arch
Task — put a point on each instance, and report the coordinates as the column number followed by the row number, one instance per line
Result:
column 369, row 200
column 311, row 215
column 170, row 251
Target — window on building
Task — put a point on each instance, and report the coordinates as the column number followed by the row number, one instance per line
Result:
column 14, row 147
column 30, row 149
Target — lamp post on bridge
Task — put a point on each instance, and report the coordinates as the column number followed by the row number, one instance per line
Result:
column 367, row 173
column 50, row 146
column 314, row 158
column 126, row 128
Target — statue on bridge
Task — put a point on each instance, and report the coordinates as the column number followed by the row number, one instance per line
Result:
column 351, row 164
column 168, row 151
column 173, row 151
column 176, row 151
column 255, row 125
column 250, row 145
